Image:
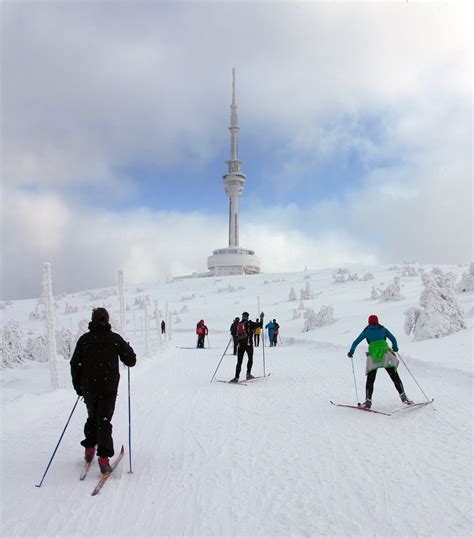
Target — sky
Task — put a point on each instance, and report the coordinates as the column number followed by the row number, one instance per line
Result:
column 355, row 136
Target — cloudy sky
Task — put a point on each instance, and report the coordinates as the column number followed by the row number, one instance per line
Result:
column 355, row 136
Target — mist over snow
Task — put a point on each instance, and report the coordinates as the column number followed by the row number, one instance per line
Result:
column 354, row 134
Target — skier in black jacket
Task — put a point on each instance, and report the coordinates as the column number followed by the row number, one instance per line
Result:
column 245, row 330
column 95, row 376
column 233, row 332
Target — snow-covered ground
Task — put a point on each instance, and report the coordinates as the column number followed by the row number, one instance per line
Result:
column 272, row 458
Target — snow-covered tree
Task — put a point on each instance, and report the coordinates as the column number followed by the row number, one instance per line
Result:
column 301, row 306
column 313, row 320
column 292, row 295
column 392, row 292
column 368, row 276
column 69, row 309
column 296, row 313
column 439, row 314
column 467, row 280
column 83, row 327
column 409, row 271
column 343, row 275
column 50, row 324
column 375, row 294
column 306, row 293
column 147, row 331
column 64, row 343
column 37, row 349
column 12, row 347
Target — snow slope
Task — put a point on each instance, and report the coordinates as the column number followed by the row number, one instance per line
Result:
column 272, row 458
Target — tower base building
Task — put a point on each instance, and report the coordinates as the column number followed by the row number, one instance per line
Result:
column 233, row 261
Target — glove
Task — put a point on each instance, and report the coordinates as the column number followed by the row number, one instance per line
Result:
column 79, row 392
column 350, row 355
column 261, row 315
column 395, row 349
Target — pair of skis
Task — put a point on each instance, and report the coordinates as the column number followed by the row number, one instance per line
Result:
column 409, row 406
column 245, row 381
column 105, row 476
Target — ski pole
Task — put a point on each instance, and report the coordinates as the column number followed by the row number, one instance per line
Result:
column 212, row 378
column 263, row 348
column 414, row 379
column 50, row 461
column 129, row 425
column 355, row 384
column 208, row 343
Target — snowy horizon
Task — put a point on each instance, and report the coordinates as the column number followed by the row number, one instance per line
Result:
column 355, row 136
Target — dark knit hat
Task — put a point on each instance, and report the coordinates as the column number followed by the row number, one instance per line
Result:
column 373, row 320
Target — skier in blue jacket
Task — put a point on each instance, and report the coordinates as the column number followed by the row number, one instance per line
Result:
column 270, row 326
column 379, row 356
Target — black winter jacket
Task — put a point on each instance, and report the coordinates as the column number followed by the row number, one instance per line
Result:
column 94, row 363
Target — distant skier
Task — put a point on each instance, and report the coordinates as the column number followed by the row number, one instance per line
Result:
column 201, row 331
column 256, row 335
column 95, row 376
column 233, row 332
column 270, row 326
column 379, row 356
column 276, row 331
column 245, row 331
column 163, row 327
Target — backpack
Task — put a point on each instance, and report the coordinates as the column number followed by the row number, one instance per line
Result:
column 241, row 331
column 200, row 329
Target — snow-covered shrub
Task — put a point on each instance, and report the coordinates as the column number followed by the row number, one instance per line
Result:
column 82, row 328
column 37, row 349
column 184, row 309
column 188, row 297
column 313, row 320
column 101, row 295
column 307, row 277
column 394, row 268
column 37, row 314
column 467, row 281
column 292, row 295
column 296, row 313
column 64, row 343
column 265, row 282
column 306, row 293
column 343, row 275
column 228, row 289
column 12, row 347
column 375, row 294
column 392, row 292
column 409, row 270
column 69, row 309
column 301, row 306
column 368, row 276
column 177, row 319
column 141, row 301
column 439, row 314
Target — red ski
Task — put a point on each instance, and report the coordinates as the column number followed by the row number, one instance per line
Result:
column 258, row 377
column 360, row 408
column 105, row 476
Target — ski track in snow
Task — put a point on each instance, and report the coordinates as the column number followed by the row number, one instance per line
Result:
column 272, row 458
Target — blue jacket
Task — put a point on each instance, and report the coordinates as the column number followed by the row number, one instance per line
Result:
column 372, row 333
column 270, row 326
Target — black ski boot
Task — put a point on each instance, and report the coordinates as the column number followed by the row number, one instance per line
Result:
column 404, row 398
column 250, row 376
column 367, row 404
column 235, row 380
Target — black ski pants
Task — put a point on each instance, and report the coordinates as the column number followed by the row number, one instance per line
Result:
column 98, row 427
column 241, row 350
column 392, row 372
column 236, row 342
column 256, row 339
column 200, row 343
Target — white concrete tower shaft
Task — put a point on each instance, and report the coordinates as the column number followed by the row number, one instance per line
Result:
column 234, row 180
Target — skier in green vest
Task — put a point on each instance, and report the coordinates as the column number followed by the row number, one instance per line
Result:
column 379, row 356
